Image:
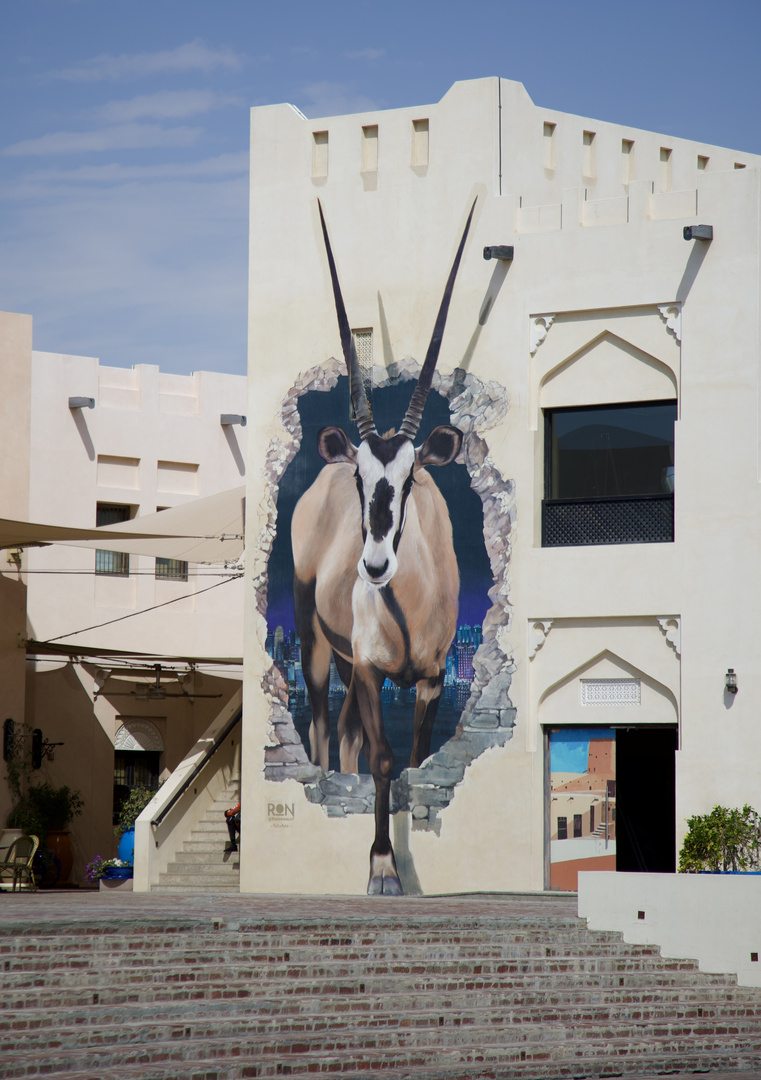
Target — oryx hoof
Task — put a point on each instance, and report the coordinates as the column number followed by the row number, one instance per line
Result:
column 385, row 885
column 384, row 880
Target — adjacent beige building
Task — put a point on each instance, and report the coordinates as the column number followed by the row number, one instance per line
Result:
column 85, row 444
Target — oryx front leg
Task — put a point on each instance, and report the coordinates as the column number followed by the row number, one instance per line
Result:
column 384, row 878
column 426, row 707
column 350, row 732
column 315, row 663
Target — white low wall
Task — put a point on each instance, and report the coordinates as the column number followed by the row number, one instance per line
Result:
column 712, row 918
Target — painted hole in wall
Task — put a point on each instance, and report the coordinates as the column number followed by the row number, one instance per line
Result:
column 476, row 575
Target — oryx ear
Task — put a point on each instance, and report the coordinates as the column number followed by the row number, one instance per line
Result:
column 333, row 445
column 442, row 446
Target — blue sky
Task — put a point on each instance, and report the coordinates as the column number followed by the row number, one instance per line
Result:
column 124, row 131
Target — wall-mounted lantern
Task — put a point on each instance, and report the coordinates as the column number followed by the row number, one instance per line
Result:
column 730, row 681
column 81, row 402
column 41, row 748
column 499, row 251
column 232, row 418
column 698, row 232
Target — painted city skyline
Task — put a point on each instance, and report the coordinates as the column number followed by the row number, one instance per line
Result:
column 284, row 648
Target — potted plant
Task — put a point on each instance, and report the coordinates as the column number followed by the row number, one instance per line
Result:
column 131, row 808
column 725, row 841
column 110, row 869
column 56, row 807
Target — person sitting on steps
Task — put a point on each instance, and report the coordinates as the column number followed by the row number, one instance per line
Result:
column 232, row 817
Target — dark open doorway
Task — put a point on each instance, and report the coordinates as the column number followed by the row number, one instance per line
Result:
column 646, row 800
column 134, row 768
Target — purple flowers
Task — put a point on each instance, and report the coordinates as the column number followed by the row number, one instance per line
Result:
column 95, row 870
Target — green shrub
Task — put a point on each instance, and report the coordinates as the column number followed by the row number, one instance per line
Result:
column 55, row 806
column 133, row 805
column 722, row 840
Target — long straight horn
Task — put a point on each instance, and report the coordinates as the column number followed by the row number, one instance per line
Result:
column 411, row 422
column 362, row 412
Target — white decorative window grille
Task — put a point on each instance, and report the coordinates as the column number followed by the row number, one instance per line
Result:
column 610, row 692
column 363, row 343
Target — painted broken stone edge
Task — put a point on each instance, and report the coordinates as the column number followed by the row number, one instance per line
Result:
column 488, row 718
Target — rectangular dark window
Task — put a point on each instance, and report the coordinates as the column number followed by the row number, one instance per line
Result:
column 592, row 818
column 609, row 474
column 112, row 562
column 562, row 828
column 577, row 824
column 171, row 569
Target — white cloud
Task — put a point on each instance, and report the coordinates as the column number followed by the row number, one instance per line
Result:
column 169, row 105
column 366, row 54
column 193, row 56
column 121, row 137
column 143, row 272
column 335, row 99
column 31, row 184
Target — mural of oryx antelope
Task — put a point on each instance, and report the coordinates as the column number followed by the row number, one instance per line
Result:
column 376, row 583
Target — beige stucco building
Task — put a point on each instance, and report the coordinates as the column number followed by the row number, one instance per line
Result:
column 605, row 375
column 84, row 444
column 602, row 366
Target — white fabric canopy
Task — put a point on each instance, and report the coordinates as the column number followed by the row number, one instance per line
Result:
column 208, row 530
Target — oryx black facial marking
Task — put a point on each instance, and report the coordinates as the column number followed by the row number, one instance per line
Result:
column 406, row 489
column 385, row 450
column 380, row 515
column 361, row 493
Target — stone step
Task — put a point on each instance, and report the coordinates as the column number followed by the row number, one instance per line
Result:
column 252, row 982
column 274, row 934
column 196, row 883
column 205, row 827
column 209, row 845
column 332, row 1055
column 192, row 889
column 24, row 1030
column 429, row 1010
column 205, row 865
column 219, row 858
column 257, row 952
column 363, row 968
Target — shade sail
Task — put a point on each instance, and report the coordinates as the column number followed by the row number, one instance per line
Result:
column 208, row 530
column 57, row 648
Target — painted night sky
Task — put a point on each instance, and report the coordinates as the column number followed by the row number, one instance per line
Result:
column 389, row 406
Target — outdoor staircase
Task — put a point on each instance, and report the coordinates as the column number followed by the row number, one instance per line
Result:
column 227, row 988
column 202, row 865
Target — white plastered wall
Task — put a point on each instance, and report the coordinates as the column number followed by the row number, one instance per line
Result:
column 639, row 314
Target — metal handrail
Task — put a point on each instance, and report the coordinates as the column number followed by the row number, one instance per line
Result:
column 198, row 769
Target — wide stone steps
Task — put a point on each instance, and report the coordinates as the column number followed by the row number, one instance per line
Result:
column 231, row 996
column 201, row 865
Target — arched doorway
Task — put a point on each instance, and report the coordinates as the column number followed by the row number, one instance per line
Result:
column 138, row 751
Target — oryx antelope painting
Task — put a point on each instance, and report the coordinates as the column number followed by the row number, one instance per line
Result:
column 376, row 581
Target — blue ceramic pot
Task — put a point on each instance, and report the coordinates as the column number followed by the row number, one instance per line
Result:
column 126, row 850
column 118, row 872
